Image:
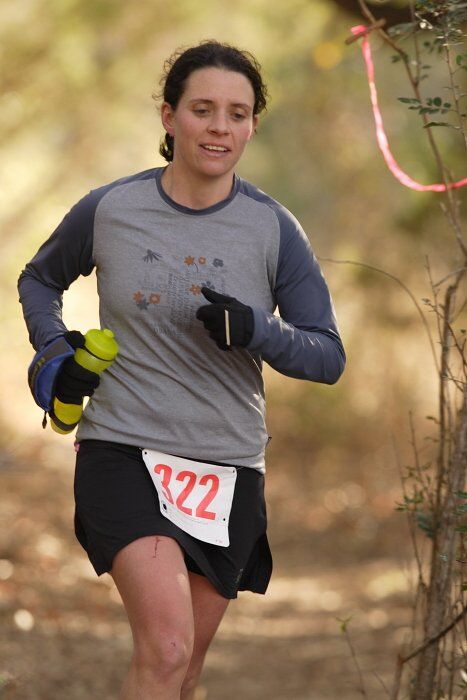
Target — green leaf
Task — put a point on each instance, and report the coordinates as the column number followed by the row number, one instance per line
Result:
column 461, row 494
column 409, row 100
column 437, row 101
column 447, row 105
column 459, row 59
column 461, row 528
column 344, row 623
column 425, row 523
column 464, row 586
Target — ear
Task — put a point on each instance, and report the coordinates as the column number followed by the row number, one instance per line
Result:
column 167, row 115
column 254, row 127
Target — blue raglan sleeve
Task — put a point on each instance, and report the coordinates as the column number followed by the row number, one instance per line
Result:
column 304, row 342
column 58, row 262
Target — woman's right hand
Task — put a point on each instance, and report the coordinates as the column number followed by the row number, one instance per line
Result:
column 75, row 382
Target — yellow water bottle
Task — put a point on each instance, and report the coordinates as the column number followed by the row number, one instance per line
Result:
column 100, row 350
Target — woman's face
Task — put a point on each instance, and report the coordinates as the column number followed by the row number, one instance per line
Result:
column 212, row 123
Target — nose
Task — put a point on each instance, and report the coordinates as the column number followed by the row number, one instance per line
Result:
column 218, row 123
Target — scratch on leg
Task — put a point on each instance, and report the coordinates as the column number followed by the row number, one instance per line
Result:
column 156, row 541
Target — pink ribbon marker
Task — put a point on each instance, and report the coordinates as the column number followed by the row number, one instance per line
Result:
column 404, row 179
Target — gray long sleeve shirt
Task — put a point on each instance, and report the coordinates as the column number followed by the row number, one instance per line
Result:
column 171, row 388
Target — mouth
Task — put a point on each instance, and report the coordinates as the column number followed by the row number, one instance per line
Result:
column 215, row 149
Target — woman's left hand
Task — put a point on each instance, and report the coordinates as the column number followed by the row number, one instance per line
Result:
column 229, row 322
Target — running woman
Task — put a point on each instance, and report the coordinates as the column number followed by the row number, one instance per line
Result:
column 191, row 262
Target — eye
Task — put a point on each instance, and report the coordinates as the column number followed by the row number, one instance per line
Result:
column 200, row 110
column 239, row 116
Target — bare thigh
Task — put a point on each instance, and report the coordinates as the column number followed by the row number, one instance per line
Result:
column 152, row 579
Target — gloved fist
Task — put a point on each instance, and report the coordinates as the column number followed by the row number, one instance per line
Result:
column 229, row 322
column 75, row 382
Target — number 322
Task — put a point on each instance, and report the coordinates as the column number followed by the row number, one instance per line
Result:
column 166, row 473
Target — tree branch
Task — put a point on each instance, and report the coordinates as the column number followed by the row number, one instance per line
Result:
column 404, row 287
column 435, row 638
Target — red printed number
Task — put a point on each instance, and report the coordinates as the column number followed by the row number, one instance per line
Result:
column 201, row 511
column 186, row 491
column 166, row 473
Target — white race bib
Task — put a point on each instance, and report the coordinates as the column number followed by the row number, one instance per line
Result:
column 195, row 496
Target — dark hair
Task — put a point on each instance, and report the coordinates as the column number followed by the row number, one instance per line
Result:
column 207, row 54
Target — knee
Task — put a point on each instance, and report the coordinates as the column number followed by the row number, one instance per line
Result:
column 166, row 656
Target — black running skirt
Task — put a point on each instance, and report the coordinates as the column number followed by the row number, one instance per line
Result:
column 117, row 502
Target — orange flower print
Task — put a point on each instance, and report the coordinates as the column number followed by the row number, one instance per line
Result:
column 154, row 298
column 189, row 260
column 138, row 296
column 195, row 289
column 202, row 261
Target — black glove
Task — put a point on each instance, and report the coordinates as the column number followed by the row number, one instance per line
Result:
column 75, row 382
column 234, row 328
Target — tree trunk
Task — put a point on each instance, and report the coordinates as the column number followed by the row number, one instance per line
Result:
column 442, row 560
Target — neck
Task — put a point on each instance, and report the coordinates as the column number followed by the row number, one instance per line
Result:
column 195, row 192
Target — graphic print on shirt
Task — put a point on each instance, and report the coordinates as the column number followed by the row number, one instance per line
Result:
column 151, row 256
column 170, row 288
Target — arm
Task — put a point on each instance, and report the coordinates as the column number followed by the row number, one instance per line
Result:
column 304, row 342
column 58, row 262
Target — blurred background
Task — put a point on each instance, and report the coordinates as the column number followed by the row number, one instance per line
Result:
column 75, row 113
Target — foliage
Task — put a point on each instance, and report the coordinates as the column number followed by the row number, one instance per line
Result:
column 433, row 486
column 443, row 23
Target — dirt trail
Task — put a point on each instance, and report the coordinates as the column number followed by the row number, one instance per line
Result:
column 64, row 632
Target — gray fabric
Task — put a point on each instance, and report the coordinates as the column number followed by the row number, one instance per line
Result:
column 171, row 388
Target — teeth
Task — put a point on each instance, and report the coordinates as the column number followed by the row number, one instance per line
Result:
column 215, row 148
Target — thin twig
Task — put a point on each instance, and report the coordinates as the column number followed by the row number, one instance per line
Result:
column 378, row 677
column 421, row 588
column 444, row 174
column 435, row 298
column 453, row 218
column 410, row 523
column 443, row 401
column 374, row 25
column 451, row 274
column 457, row 345
column 460, row 310
column 354, row 656
column 447, row 54
column 420, row 474
column 435, row 638
column 404, row 287
column 397, row 678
